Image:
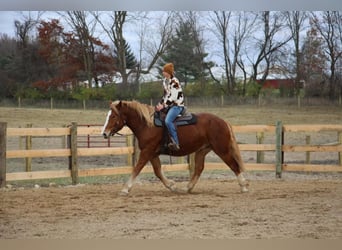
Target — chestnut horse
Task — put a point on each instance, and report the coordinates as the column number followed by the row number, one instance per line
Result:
column 209, row 133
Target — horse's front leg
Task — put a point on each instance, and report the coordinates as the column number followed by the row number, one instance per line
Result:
column 170, row 184
column 135, row 172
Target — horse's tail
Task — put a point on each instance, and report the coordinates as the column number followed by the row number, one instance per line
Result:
column 235, row 151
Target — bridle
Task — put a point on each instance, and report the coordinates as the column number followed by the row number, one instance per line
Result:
column 117, row 124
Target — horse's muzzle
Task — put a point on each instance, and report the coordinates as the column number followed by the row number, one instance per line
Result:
column 107, row 135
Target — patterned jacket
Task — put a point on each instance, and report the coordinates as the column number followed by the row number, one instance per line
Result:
column 173, row 93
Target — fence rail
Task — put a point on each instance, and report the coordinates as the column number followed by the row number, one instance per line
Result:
column 190, row 101
column 73, row 152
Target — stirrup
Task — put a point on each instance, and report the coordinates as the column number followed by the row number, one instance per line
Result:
column 173, row 146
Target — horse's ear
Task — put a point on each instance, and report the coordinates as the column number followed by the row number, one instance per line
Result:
column 119, row 105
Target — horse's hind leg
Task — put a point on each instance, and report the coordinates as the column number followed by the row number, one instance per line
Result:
column 199, row 166
column 159, row 173
column 231, row 155
column 233, row 159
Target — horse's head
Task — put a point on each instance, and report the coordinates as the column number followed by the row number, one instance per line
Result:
column 114, row 121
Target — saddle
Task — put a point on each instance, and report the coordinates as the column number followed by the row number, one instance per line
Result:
column 185, row 118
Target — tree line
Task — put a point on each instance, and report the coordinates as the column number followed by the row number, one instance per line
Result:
column 80, row 54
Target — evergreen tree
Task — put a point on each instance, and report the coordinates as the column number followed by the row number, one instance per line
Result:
column 185, row 52
column 131, row 61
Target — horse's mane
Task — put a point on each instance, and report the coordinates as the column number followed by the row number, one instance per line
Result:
column 145, row 111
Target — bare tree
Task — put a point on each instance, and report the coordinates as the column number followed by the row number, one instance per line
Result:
column 327, row 24
column 339, row 65
column 244, row 27
column 115, row 32
column 84, row 29
column 24, row 26
column 153, row 44
column 232, row 30
column 221, row 22
column 26, row 47
column 268, row 45
column 295, row 20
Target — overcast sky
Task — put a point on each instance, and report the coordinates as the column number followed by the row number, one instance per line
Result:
column 9, row 8
column 133, row 5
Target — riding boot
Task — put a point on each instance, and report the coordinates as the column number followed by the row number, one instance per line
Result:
column 173, row 145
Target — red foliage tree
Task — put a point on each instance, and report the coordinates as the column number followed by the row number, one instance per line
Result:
column 64, row 55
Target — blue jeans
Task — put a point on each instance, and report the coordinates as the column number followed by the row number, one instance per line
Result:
column 170, row 118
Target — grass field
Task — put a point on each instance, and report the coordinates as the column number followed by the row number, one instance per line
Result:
column 236, row 115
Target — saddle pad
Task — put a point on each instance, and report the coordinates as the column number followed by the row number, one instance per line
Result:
column 186, row 119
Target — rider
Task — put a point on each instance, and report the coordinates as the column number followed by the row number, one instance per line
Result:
column 173, row 100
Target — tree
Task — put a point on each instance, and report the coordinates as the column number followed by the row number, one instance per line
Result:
column 328, row 28
column 24, row 27
column 268, row 45
column 186, row 50
column 131, row 61
column 232, row 30
column 25, row 61
column 313, row 62
column 154, row 31
column 83, row 31
column 295, row 22
column 7, row 53
column 65, row 58
column 115, row 33
column 83, row 28
column 62, row 62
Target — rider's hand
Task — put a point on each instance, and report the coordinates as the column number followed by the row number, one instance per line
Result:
column 159, row 107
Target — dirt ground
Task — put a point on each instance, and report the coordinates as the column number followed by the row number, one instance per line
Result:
column 299, row 206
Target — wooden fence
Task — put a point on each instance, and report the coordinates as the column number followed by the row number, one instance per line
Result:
column 73, row 152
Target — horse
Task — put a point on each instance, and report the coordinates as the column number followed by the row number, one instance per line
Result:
column 209, row 133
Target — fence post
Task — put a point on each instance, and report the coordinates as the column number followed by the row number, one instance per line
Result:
column 3, row 140
column 260, row 140
column 307, row 142
column 73, row 161
column 340, row 153
column 279, row 151
column 28, row 160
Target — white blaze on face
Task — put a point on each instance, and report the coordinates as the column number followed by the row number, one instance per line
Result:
column 107, row 120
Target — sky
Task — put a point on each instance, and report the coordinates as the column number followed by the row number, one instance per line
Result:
column 7, row 19
column 9, row 10
column 134, row 5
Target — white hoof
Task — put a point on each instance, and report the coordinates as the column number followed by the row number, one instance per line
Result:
column 244, row 190
column 243, row 183
column 124, row 192
column 172, row 185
